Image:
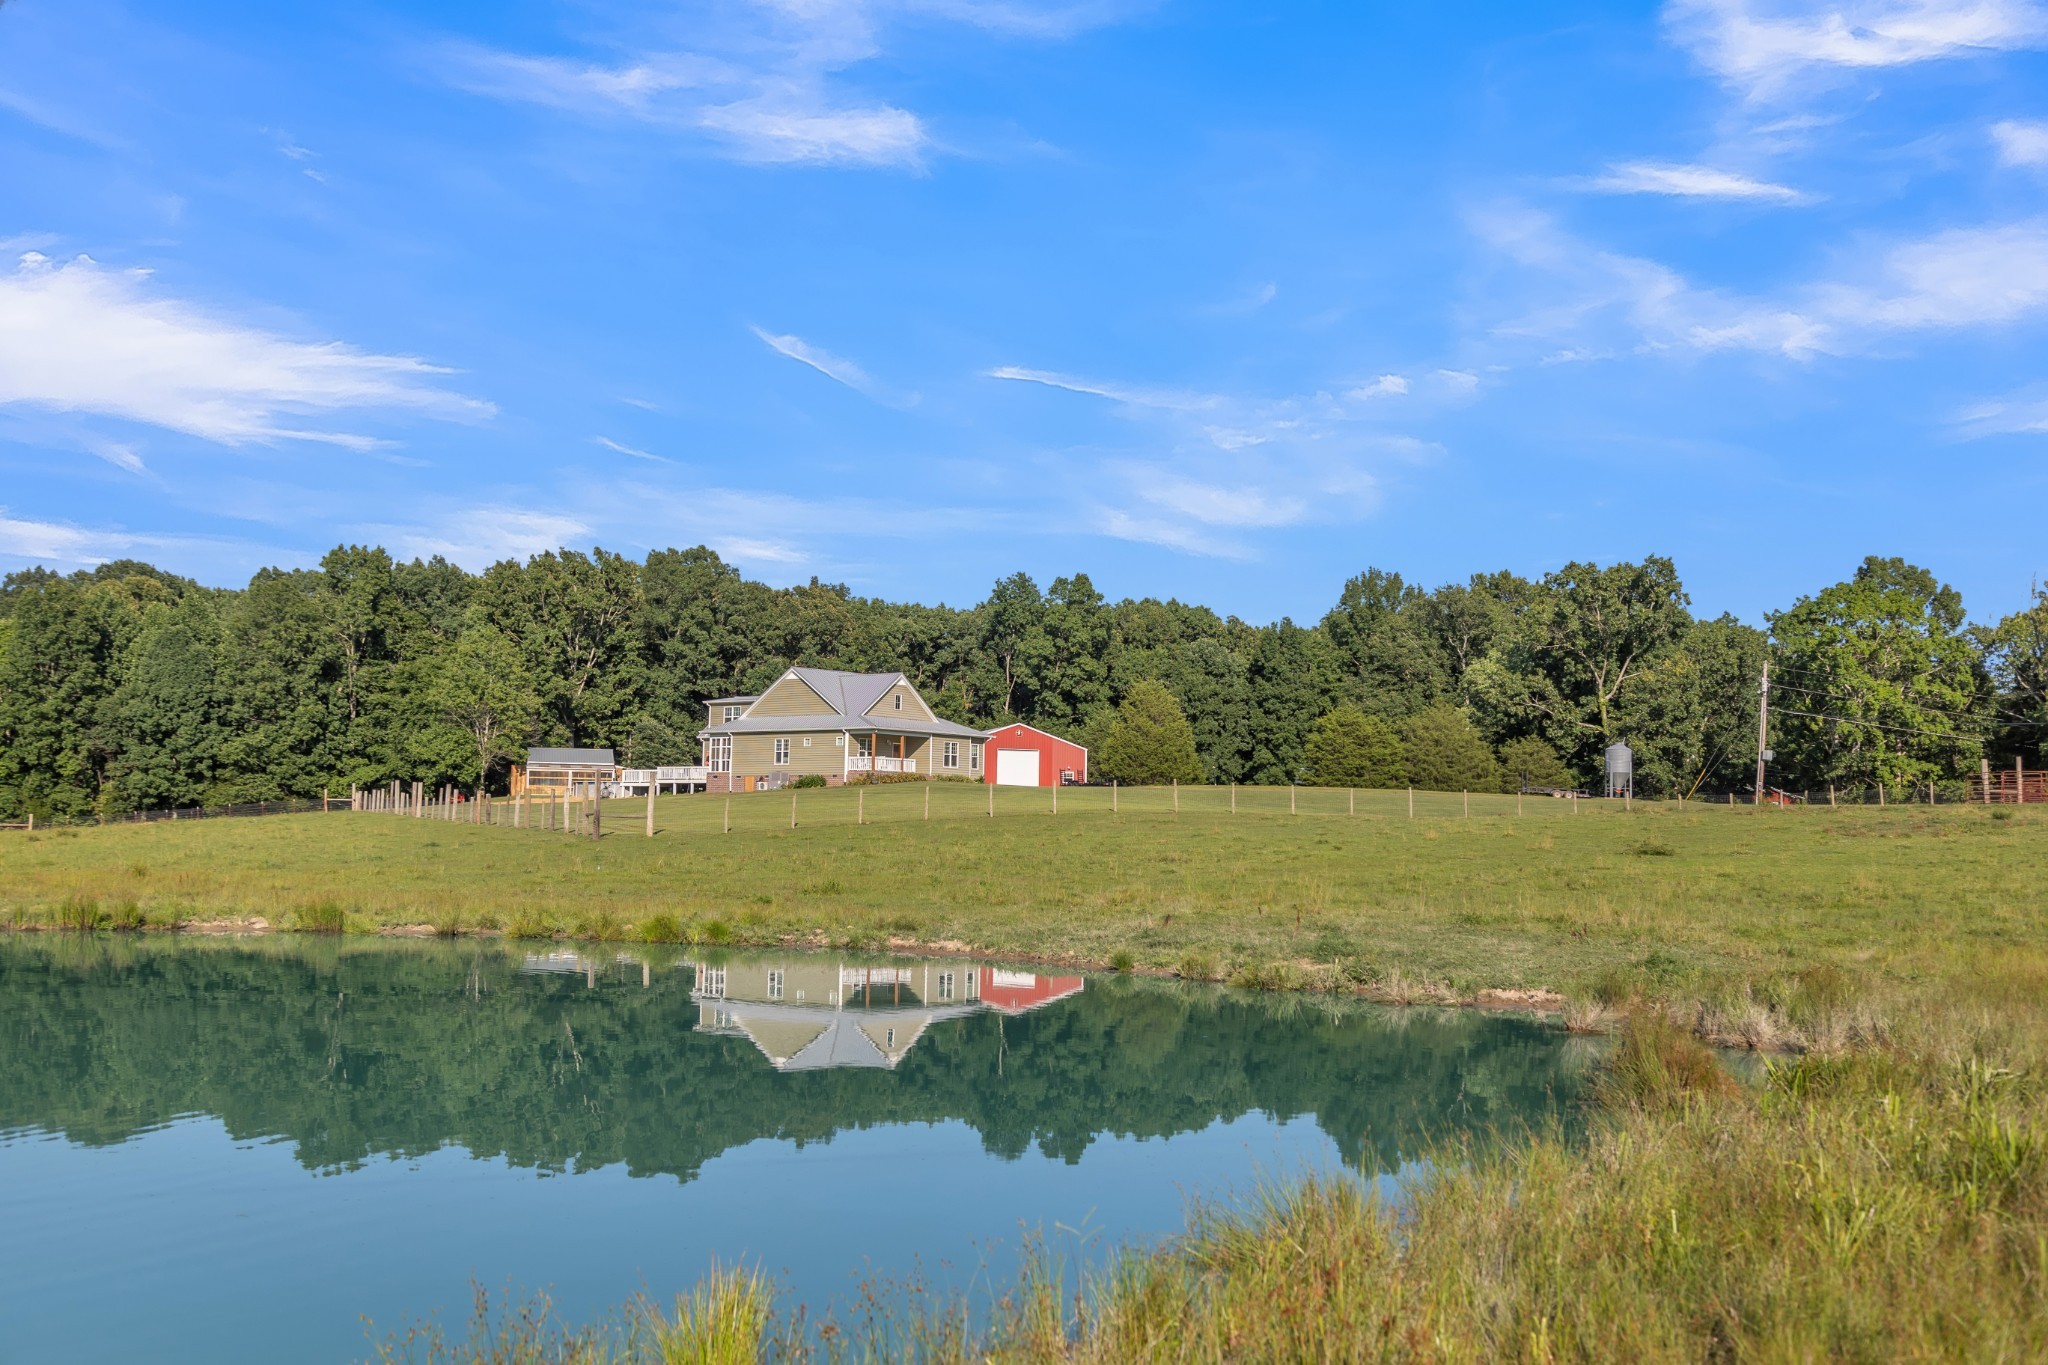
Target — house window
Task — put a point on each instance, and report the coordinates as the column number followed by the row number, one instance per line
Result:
column 807, row 741
column 839, row 743
column 945, row 985
column 974, row 755
column 950, row 756
column 711, row 981
column 774, row 985
column 782, row 753
column 899, row 701
column 892, row 1039
column 732, row 713
column 718, row 753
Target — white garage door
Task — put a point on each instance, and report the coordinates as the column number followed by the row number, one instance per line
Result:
column 1016, row 767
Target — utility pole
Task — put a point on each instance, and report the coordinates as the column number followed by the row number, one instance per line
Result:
column 1763, row 726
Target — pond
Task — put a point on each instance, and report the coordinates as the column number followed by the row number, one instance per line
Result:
column 241, row 1149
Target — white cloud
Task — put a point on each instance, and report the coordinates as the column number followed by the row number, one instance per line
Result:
column 824, row 362
column 766, row 83
column 745, row 550
column 1765, row 48
column 479, row 537
column 50, row 541
column 1172, row 535
column 2021, row 144
column 1961, row 278
column 609, row 444
column 1966, row 277
column 773, row 131
column 78, row 337
column 1457, row 381
column 1165, row 399
column 1216, row 505
column 1386, row 386
column 118, row 455
column 2024, row 415
column 1689, row 182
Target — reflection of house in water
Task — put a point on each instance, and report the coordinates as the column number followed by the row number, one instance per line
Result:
column 805, row 1014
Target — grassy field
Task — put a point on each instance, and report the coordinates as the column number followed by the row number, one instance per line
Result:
column 1781, row 924
column 1882, row 1193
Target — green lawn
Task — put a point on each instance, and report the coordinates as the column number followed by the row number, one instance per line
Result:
column 1591, row 900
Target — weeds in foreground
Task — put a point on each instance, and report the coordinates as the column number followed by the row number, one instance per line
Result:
column 1877, row 1204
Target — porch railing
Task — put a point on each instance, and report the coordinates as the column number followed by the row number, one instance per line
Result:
column 862, row 763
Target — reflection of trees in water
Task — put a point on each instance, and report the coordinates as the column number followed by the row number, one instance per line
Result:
column 355, row 1050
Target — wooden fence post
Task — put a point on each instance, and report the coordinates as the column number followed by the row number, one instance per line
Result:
column 650, row 807
column 1290, row 800
column 1055, row 798
column 2019, row 779
column 991, row 800
column 1350, row 801
column 792, row 807
column 728, row 815
column 1984, row 778
column 1411, row 803
column 860, row 805
column 927, row 798
column 1233, row 798
column 1468, row 804
column 1112, row 796
column 1176, row 796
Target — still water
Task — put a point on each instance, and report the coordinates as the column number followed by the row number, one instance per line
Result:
column 239, row 1150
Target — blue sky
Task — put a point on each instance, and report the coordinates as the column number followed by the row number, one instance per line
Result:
column 1218, row 301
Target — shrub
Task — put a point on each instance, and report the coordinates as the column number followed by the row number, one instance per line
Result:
column 81, row 913
column 1658, row 1065
column 714, row 931
column 1351, row 749
column 527, row 924
column 322, row 917
column 662, row 929
column 1197, row 967
column 1121, row 960
column 127, row 917
column 809, row 781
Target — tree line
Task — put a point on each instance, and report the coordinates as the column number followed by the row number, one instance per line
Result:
column 125, row 687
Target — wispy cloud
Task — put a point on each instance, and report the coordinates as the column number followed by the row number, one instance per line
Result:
column 1686, row 181
column 609, row 444
column 768, row 84
column 478, row 537
column 1767, row 49
column 823, row 361
column 2019, row 415
column 1212, row 470
column 1967, row 277
column 34, row 541
column 2020, row 143
column 78, row 337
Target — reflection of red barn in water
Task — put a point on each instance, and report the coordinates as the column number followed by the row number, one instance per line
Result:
column 1016, row 992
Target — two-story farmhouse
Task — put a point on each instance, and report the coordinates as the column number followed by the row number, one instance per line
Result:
column 835, row 725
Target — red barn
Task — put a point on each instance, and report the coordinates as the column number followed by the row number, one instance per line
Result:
column 1026, row 756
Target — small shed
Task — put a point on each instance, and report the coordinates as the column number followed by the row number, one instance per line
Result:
column 556, row 771
column 1026, row 756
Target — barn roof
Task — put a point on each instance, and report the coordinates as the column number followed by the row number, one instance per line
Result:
column 570, row 758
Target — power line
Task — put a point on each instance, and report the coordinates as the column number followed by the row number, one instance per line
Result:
column 1879, row 725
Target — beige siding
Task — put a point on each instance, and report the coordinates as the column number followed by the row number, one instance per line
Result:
column 754, row 755
column 809, row 983
column 714, row 712
column 913, row 705
column 791, row 696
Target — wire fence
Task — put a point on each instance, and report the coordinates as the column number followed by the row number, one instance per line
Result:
column 583, row 813
column 151, row 817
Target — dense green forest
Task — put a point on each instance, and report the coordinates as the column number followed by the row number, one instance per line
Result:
column 124, row 687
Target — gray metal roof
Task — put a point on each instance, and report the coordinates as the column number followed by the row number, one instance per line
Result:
column 850, row 694
column 726, row 701
column 798, row 725
column 576, row 758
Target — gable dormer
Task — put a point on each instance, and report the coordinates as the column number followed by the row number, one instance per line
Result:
column 900, row 702
column 792, row 696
